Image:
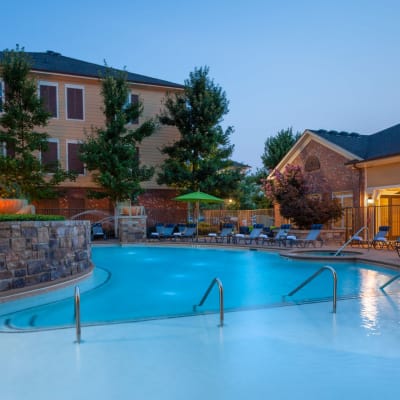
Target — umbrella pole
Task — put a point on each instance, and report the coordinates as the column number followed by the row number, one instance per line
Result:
column 197, row 220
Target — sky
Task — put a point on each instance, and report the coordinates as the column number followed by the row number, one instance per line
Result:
column 305, row 64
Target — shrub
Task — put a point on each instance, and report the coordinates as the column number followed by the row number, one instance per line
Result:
column 30, row 217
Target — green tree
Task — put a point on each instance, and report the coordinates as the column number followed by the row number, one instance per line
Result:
column 111, row 152
column 249, row 194
column 21, row 172
column 276, row 147
column 299, row 200
column 200, row 159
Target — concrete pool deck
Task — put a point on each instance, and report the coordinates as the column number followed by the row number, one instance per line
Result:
column 301, row 352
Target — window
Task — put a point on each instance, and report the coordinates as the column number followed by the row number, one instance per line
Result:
column 133, row 99
column 346, row 201
column 48, row 92
column 74, row 162
column 50, row 156
column 74, row 102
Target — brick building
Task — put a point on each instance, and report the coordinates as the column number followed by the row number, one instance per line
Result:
column 362, row 171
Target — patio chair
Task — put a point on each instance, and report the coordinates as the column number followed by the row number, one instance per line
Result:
column 248, row 238
column 312, row 238
column 380, row 240
column 159, row 231
column 167, row 232
column 243, row 232
column 226, row 233
column 188, row 233
column 96, row 231
column 280, row 237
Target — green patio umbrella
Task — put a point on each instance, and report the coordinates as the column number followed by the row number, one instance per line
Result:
column 198, row 197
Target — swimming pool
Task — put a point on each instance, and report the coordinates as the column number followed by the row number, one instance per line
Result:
column 300, row 352
column 136, row 283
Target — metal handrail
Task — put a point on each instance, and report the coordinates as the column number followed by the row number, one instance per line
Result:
column 334, row 275
column 390, row 281
column 352, row 237
column 78, row 314
column 221, row 299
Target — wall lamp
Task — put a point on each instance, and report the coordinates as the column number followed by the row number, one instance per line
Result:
column 370, row 200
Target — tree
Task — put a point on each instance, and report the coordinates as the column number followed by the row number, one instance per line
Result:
column 21, row 172
column 199, row 160
column 276, row 147
column 249, row 194
column 298, row 199
column 111, row 152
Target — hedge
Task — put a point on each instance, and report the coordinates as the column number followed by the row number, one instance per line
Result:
column 30, row 217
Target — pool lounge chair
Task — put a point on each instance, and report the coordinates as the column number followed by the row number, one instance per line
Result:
column 159, row 231
column 380, row 240
column 312, row 238
column 280, row 237
column 167, row 232
column 226, row 233
column 188, row 233
column 248, row 239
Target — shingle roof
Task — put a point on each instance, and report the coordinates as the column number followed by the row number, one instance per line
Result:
column 51, row 61
column 378, row 145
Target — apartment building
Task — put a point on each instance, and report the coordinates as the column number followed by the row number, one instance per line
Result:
column 70, row 90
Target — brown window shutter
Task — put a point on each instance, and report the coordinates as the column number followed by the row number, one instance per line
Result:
column 50, row 157
column 48, row 94
column 74, row 103
column 74, row 162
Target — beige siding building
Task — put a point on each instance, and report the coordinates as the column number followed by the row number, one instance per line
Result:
column 70, row 89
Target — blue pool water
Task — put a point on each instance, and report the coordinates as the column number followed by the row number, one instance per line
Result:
column 132, row 283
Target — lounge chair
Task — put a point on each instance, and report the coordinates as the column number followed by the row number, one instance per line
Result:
column 380, row 240
column 159, row 231
column 226, row 233
column 280, row 237
column 167, row 232
column 243, row 232
column 248, row 238
column 312, row 238
column 188, row 233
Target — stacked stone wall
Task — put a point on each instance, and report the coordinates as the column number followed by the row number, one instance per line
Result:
column 39, row 253
column 132, row 229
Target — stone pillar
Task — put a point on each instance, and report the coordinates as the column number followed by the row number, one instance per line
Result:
column 132, row 229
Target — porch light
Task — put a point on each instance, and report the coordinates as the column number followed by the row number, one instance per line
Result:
column 370, row 200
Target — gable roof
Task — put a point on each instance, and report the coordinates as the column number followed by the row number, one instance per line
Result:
column 51, row 61
column 385, row 143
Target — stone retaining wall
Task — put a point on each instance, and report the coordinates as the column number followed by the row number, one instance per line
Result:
column 35, row 253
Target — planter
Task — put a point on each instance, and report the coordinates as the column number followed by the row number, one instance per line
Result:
column 12, row 206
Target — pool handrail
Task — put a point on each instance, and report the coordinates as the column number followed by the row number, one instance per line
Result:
column 334, row 275
column 77, row 308
column 351, row 238
column 221, row 299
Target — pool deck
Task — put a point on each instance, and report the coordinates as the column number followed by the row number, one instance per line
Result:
column 294, row 352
